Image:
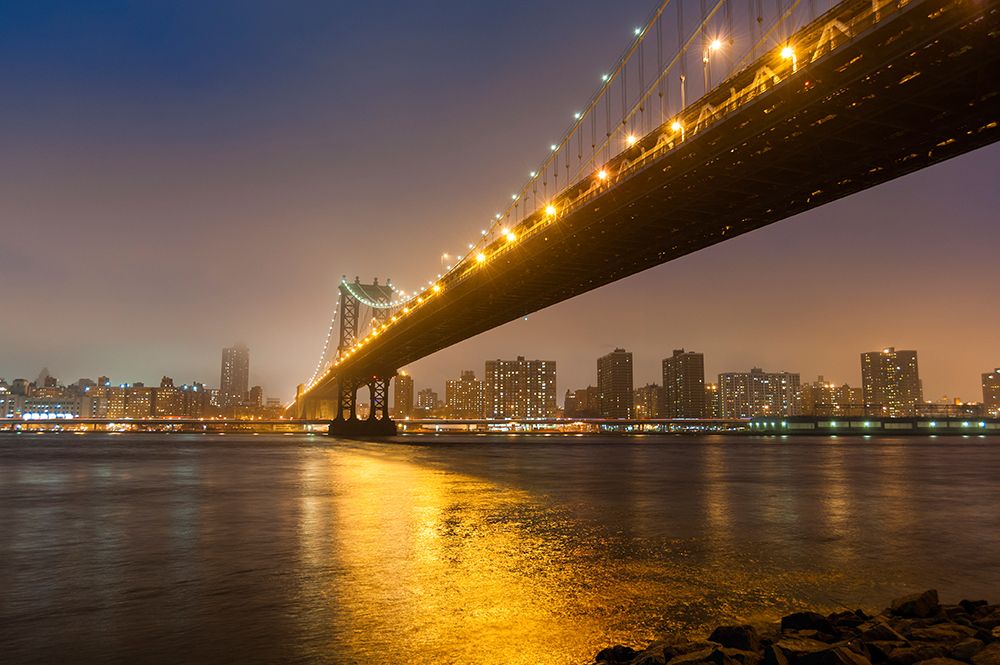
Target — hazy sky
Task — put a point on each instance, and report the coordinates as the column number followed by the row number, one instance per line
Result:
column 179, row 176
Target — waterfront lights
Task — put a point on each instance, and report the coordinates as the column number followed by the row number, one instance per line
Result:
column 550, row 210
column 602, row 175
column 631, row 140
column 480, row 258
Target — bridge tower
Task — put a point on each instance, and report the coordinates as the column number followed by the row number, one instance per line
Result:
column 374, row 300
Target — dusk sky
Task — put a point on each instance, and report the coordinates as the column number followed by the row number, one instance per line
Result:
column 176, row 177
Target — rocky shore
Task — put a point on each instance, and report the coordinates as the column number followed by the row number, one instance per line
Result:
column 915, row 629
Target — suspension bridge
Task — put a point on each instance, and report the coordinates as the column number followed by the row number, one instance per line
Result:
column 718, row 119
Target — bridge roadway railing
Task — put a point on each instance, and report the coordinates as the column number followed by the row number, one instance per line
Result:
column 840, row 25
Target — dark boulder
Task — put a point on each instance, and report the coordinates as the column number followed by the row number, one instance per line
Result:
column 971, row 606
column 879, row 631
column 774, row 656
column 616, row 655
column 917, row 606
column 915, row 654
column 807, row 621
column 966, row 649
column 942, row 632
column 837, row 655
column 988, row 655
column 941, row 661
column 736, row 637
column 880, row 651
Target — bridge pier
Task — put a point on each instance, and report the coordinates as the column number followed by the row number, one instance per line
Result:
column 378, row 422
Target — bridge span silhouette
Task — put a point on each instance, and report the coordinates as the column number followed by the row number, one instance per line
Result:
column 857, row 95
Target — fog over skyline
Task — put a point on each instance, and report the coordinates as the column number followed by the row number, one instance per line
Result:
column 179, row 177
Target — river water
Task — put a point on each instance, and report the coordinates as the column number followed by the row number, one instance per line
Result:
column 253, row 549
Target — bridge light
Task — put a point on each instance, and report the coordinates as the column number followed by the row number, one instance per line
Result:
column 715, row 45
column 676, row 126
column 637, row 31
column 550, row 210
column 788, row 53
column 498, row 215
column 602, row 175
column 605, row 77
column 631, row 140
column 510, row 236
column 436, row 288
column 554, row 147
column 577, row 115
column 533, row 174
column 513, row 197
column 480, row 258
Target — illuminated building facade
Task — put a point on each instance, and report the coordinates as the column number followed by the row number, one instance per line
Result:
column 234, row 384
column 711, row 400
column 647, row 401
column 614, row 383
column 520, row 388
column 991, row 393
column 822, row 398
column 890, row 381
column 758, row 393
column 402, row 397
column 464, row 396
column 684, row 385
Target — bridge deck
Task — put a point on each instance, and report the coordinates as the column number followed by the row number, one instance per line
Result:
column 911, row 90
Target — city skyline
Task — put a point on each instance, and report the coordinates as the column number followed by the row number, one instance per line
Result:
column 185, row 178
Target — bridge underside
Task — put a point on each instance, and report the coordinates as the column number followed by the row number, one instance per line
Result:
column 914, row 90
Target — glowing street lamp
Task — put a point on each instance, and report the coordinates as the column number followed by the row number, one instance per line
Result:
column 602, row 175
column 676, row 126
column 550, row 210
column 631, row 140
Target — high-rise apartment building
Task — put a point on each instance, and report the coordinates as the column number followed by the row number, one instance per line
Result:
column 520, row 388
column 890, row 382
column 821, row 398
column 991, row 393
column 684, row 385
column 583, row 402
column 614, row 383
column 647, row 402
column 402, row 397
column 234, row 385
column 758, row 393
column 464, row 396
column 711, row 400
column 427, row 400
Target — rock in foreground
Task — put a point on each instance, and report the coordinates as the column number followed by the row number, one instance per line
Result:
column 915, row 629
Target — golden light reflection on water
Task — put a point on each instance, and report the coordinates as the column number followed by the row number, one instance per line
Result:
column 457, row 568
column 441, row 564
